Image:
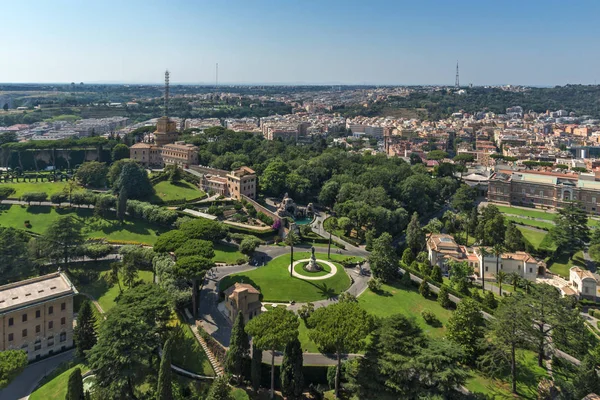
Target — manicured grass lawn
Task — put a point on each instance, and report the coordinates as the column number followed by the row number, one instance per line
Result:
column 275, row 283
column 307, row 344
column 299, row 269
column 395, row 299
column 527, row 213
column 56, row 386
column 562, row 264
column 166, row 191
column 539, row 240
column 187, row 352
column 528, row 377
column 24, row 187
column 97, row 285
column 227, row 254
column 530, row 222
column 41, row 217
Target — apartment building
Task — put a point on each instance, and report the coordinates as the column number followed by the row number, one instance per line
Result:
column 180, row 154
column 36, row 315
column 541, row 189
column 242, row 182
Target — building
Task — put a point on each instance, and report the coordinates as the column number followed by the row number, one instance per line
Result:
column 242, row 182
column 180, row 154
column 244, row 298
column 520, row 262
column 442, row 248
column 214, row 184
column 36, row 315
column 540, row 189
column 584, row 283
column 146, row 154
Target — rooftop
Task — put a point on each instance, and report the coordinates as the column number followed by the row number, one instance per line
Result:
column 35, row 290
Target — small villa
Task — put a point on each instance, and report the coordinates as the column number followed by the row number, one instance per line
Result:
column 242, row 297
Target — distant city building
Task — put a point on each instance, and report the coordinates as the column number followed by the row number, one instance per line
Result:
column 36, row 315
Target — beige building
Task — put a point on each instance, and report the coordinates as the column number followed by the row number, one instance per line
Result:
column 242, row 297
column 242, row 182
column 442, row 248
column 520, row 262
column 584, row 283
column 36, row 315
column 180, row 154
column 146, row 154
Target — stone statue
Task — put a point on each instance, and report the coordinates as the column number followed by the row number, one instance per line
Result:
column 312, row 265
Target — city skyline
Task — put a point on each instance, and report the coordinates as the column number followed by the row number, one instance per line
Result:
column 335, row 43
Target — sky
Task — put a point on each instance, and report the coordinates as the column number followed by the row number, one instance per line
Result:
column 519, row 42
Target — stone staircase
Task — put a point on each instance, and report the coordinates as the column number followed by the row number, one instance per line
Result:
column 213, row 360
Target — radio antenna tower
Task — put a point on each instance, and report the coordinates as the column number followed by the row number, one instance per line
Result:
column 217, row 76
column 167, row 93
column 457, row 83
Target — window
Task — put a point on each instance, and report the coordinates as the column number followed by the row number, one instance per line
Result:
column 38, row 345
column 63, row 306
column 51, row 341
column 63, row 336
column 24, row 333
column 585, row 290
column 63, row 321
column 50, row 324
column 11, row 337
column 11, row 321
column 530, row 270
column 24, row 318
column 51, row 310
column 38, row 313
column 38, row 328
column 486, row 269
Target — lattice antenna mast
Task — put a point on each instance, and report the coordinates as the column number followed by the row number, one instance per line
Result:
column 457, row 83
column 217, row 76
column 166, row 93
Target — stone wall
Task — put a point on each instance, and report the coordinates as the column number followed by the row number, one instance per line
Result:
column 207, row 170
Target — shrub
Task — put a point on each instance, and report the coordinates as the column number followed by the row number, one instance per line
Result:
column 34, row 196
column 406, row 281
column 57, row 198
column 264, row 218
column 6, row 191
column 591, row 311
column 424, row 288
column 444, row 297
column 490, row 301
column 375, row 284
column 430, row 317
column 240, row 261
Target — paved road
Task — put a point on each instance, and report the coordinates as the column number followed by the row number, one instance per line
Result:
column 24, row 384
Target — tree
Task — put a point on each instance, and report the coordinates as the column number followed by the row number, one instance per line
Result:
column 133, row 178
column 424, row 289
column 205, row 229
column 256, row 367
column 513, row 238
column 122, row 204
column 586, row 380
column 494, row 230
column 75, row 386
column 415, row 237
column 466, row 327
column 436, row 274
column 292, row 380
column 489, row 300
column 119, row 152
column 170, row 241
column 345, row 224
column 383, row 259
column 507, row 331
column 63, row 238
column 239, row 347
column 96, row 251
column 291, row 239
column 407, row 257
column 328, row 193
column 306, row 311
column 464, row 198
column 570, row 232
column 415, row 159
column 444, row 297
column 219, row 390
column 500, row 278
column 92, row 173
column 13, row 253
column 196, row 247
column 12, row 363
column 174, row 173
column 5, row 107
column 164, row 389
column 341, row 328
column 272, row 331
column 460, row 273
column 249, row 244
column 84, row 334
column 498, row 250
column 193, row 268
column 273, row 180
column 513, row 278
column 437, row 155
column 129, row 272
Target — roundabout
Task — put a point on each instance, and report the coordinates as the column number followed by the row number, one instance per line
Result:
column 312, row 276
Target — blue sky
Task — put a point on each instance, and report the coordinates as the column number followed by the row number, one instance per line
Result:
column 532, row 42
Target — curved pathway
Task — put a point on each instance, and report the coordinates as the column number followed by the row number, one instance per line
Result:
column 313, row 278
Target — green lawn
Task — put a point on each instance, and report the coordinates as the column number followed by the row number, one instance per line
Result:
column 46, row 187
column 239, row 394
column 167, row 191
column 531, row 222
column 56, row 386
column 93, row 280
column 395, row 299
column 41, row 217
column 187, row 352
column 275, row 283
column 539, row 240
column 227, row 254
column 527, row 213
column 307, row 344
column 562, row 264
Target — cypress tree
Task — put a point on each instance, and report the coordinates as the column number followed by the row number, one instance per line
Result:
column 164, row 390
column 239, row 347
column 436, row 274
column 75, row 386
column 85, row 331
column 424, row 288
column 443, row 297
column 219, row 390
column 292, row 380
column 122, row 204
column 256, row 367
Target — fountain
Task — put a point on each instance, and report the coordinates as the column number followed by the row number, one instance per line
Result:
column 312, row 265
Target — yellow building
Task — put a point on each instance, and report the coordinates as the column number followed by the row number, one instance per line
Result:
column 240, row 182
column 36, row 315
column 242, row 297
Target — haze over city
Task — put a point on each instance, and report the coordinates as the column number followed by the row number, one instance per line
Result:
column 291, row 42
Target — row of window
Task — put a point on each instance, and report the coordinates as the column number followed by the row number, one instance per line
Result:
column 38, row 314
column 38, row 343
column 38, row 329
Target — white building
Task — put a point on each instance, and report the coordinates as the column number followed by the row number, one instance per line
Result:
column 520, row 262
